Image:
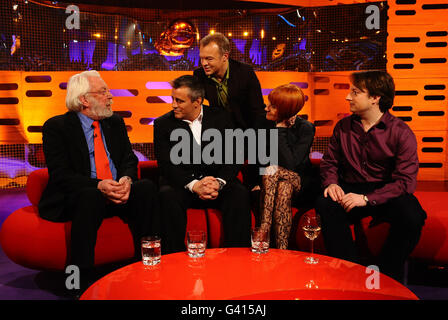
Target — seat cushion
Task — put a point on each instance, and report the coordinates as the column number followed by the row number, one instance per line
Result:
column 35, row 185
column 39, row 244
column 433, row 244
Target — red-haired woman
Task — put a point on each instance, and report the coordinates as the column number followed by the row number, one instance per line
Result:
column 295, row 137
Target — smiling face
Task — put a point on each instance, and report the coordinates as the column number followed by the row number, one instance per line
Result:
column 97, row 103
column 183, row 107
column 213, row 62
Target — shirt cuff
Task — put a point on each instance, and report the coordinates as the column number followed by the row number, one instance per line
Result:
column 191, row 184
column 375, row 199
column 222, row 180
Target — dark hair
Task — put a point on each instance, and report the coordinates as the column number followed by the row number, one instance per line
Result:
column 221, row 41
column 191, row 82
column 288, row 99
column 377, row 83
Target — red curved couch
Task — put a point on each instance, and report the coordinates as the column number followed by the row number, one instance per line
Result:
column 39, row 244
column 36, row 243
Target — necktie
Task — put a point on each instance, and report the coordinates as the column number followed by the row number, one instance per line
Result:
column 101, row 160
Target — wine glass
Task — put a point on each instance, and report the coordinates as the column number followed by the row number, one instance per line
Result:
column 311, row 228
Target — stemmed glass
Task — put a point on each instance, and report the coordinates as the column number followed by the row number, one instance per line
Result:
column 311, row 228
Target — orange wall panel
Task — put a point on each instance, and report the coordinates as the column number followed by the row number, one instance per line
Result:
column 413, row 38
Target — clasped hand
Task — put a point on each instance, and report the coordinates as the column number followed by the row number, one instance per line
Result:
column 207, row 188
column 116, row 192
column 347, row 201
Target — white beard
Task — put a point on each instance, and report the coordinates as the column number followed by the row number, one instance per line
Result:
column 98, row 112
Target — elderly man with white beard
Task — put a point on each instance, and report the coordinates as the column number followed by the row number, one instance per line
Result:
column 92, row 170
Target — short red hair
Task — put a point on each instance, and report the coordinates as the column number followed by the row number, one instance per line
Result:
column 288, row 99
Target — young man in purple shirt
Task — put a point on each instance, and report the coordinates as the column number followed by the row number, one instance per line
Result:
column 370, row 169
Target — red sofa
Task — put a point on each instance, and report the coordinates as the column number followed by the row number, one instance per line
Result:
column 39, row 244
column 35, row 243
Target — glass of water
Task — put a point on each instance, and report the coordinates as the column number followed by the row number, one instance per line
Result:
column 260, row 240
column 196, row 243
column 151, row 250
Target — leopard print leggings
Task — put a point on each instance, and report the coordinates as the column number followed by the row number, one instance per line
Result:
column 277, row 191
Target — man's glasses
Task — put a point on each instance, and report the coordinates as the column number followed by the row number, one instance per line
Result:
column 103, row 92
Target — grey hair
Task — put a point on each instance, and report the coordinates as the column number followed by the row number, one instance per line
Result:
column 78, row 85
column 196, row 89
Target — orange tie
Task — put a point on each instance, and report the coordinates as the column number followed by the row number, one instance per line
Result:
column 101, row 160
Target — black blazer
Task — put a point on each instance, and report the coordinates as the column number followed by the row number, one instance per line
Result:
column 179, row 175
column 245, row 97
column 294, row 145
column 67, row 158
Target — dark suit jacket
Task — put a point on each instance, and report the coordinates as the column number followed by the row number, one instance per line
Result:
column 245, row 97
column 181, row 174
column 67, row 158
column 294, row 145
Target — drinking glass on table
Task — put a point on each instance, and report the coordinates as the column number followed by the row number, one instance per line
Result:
column 196, row 243
column 260, row 240
column 311, row 228
column 151, row 250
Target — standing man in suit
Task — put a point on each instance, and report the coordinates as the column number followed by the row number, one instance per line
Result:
column 93, row 170
column 195, row 183
column 230, row 84
column 233, row 86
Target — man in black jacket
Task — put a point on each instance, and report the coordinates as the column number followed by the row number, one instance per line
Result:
column 187, row 180
column 230, row 84
column 233, row 86
column 76, row 189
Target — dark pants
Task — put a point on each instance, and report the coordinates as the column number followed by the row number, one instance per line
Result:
column 404, row 213
column 88, row 209
column 233, row 201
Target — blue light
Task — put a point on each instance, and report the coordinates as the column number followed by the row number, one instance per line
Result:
column 284, row 19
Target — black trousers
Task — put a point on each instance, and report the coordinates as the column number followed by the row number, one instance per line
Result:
column 404, row 213
column 89, row 207
column 233, row 201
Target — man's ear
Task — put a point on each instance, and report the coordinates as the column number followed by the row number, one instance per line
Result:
column 376, row 99
column 225, row 56
column 83, row 101
column 198, row 101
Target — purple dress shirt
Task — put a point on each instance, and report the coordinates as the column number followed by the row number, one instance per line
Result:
column 386, row 153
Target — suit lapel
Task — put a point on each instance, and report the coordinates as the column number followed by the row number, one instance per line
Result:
column 107, row 131
column 231, row 83
column 206, row 121
column 78, row 138
column 212, row 92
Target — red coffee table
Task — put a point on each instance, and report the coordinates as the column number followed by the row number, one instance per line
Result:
column 237, row 273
